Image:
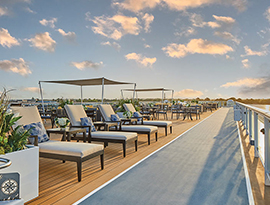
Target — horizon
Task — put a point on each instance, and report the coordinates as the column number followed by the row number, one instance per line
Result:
column 199, row 49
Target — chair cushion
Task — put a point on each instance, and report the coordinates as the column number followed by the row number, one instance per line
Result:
column 87, row 121
column 38, row 130
column 69, row 148
column 129, row 107
column 115, row 118
column 139, row 128
column 112, row 135
column 75, row 113
column 157, row 123
column 137, row 114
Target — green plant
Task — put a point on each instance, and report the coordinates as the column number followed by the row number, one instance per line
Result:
column 128, row 114
column 11, row 140
column 61, row 122
column 63, row 102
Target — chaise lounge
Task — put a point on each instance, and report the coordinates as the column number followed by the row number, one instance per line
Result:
column 66, row 151
column 76, row 113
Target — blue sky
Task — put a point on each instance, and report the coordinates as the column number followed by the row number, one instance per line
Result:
column 208, row 48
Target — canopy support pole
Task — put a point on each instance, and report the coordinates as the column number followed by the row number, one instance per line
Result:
column 102, row 90
column 172, row 101
column 41, row 94
column 134, row 92
column 162, row 99
column 81, row 95
column 122, row 94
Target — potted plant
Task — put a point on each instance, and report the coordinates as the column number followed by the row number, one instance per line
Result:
column 24, row 159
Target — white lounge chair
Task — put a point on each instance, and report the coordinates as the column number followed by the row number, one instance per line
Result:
column 106, row 112
column 76, row 112
column 166, row 124
column 66, row 151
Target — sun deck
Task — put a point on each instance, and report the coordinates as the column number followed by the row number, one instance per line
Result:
column 206, row 158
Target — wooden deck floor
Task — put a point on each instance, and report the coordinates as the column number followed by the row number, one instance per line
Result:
column 58, row 181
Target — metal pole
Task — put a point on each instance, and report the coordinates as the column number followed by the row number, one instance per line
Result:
column 172, row 101
column 251, row 141
column 162, row 98
column 255, row 131
column 266, row 151
column 134, row 92
column 41, row 94
column 81, row 96
column 102, row 90
column 122, row 94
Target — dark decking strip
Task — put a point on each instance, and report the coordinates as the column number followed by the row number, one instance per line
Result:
column 203, row 166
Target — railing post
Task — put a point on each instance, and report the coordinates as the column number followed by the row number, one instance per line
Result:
column 266, row 151
column 246, row 120
column 251, row 140
column 255, row 134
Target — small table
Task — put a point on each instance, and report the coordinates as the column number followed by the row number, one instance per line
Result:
column 67, row 132
column 106, row 125
column 129, row 121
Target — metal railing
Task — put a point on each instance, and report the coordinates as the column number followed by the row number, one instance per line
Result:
column 256, row 123
column 7, row 163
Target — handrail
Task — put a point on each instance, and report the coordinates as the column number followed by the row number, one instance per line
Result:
column 7, row 163
column 258, row 110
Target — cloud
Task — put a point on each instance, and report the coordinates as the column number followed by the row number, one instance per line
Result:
column 147, row 46
column 43, row 41
column 212, row 24
column 6, row 40
column 113, row 44
column 31, row 89
column 70, row 36
column 250, row 52
column 16, row 66
column 116, row 26
column 196, row 46
column 247, row 82
column 267, row 14
column 228, row 36
column 29, row 10
column 148, row 19
column 189, row 31
column 86, row 64
column 224, row 19
column 245, row 63
column 142, row 60
column 137, row 5
column 49, row 23
column 3, row 11
column 188, row 93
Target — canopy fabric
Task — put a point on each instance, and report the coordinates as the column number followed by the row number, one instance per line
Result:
column 148, row 89
column 87, row 82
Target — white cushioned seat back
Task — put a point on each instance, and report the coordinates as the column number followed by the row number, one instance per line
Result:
column 75, row 113
column 29, row 115
column 129, row 107
column 106, row 111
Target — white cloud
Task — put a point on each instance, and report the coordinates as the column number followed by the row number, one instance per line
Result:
column 142, row 60
column 116, row 26
column 43, row 41
column 113, row 44
column 213, row 24
column 31, row 89
column 188, row 93
column 30, row 10
column 250, row 52
column 16, row 66
column 49, row 23
column 86, row 64
column 3, row 11
column 196, row 46
column 245, row 63
column 247, row 82
column 267, row 14
column 189, row 31
column 228, row 57
column 6, row 40
column 147, row 46
column 148, row 19
column 70, row 36
column 228, row 36
column 137, row 5
column 224, row 19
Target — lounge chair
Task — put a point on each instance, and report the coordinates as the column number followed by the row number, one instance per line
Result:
column 165, row 124
column 106, row 112
column 66, row 151
column 76, row 112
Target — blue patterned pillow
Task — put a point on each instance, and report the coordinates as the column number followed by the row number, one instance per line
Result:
column 87, row 121
column 115, row 117
column 137, row 114
column 38, row 130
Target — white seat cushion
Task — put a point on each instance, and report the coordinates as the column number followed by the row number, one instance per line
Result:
column 157, row 123
column 112, row 135
column 69, row 148
column 142, row 128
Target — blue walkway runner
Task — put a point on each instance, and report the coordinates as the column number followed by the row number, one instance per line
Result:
column 204, row 166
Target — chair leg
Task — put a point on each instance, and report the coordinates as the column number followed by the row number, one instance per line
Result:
column 166, row 131
column 136, row 145
column 148, row 138
column 156, row 136
column 124, row 149
column 102, row 161
column 79, row 169
column 171, row 129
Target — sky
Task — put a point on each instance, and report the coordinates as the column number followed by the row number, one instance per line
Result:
column 199, row 48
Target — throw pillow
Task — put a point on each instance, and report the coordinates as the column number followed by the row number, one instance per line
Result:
column 37, row 130
column 87, row 121
column 115, row 118
column 137, row 114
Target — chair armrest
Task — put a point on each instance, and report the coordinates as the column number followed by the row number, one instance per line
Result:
column 35, row 139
